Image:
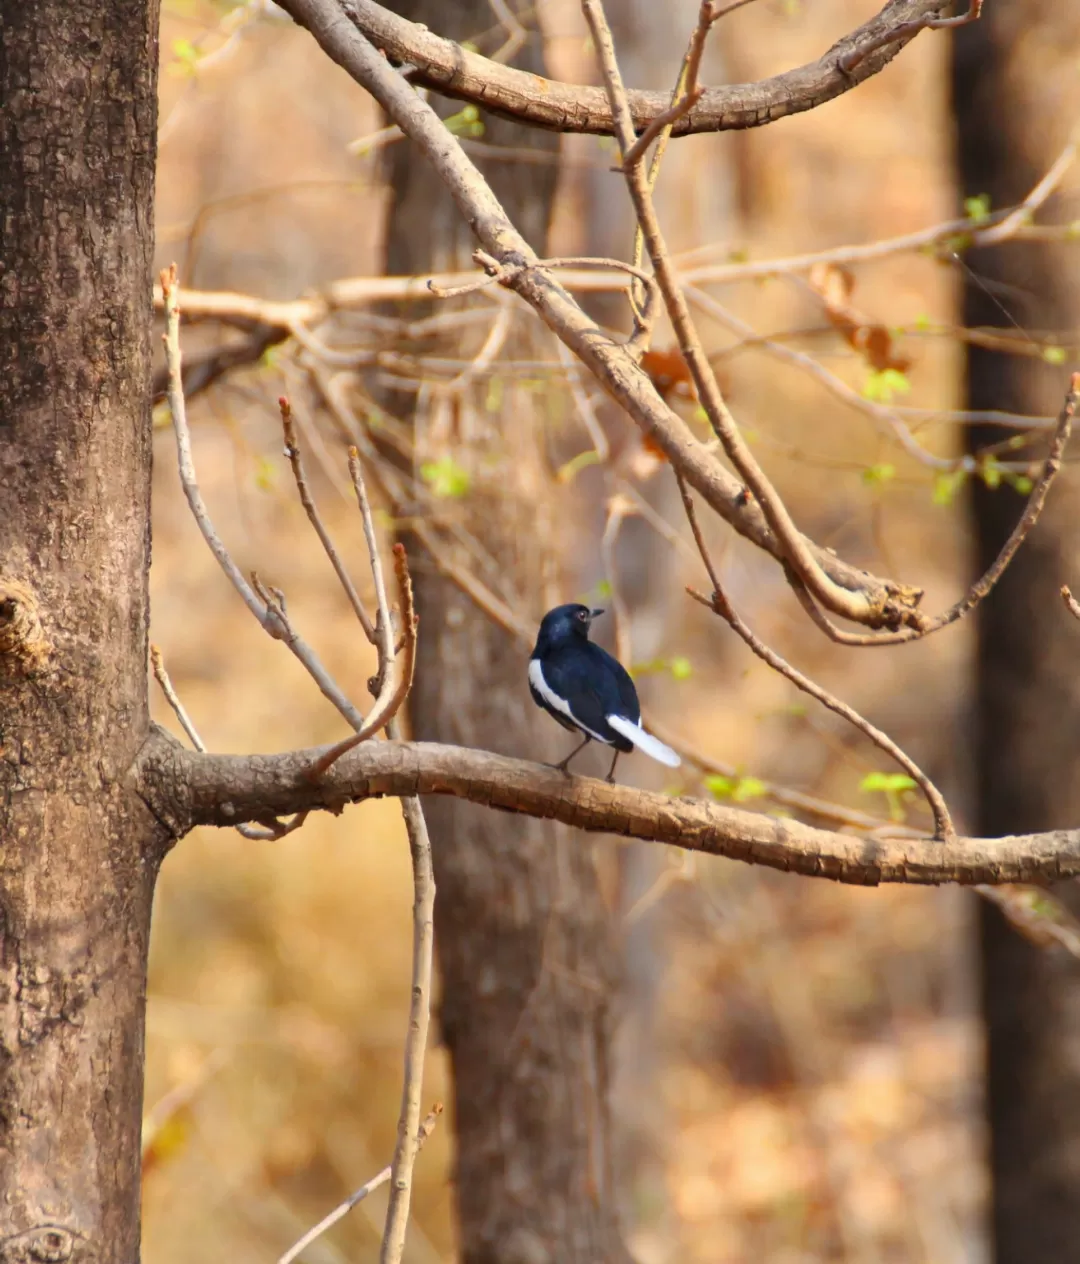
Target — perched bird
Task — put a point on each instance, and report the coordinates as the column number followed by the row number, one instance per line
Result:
column 585, row 689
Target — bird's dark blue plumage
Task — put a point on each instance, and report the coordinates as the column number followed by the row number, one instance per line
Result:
column 586, row 690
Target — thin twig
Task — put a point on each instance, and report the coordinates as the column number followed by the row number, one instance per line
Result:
column 662, row 122
column 617, row 510
column 392, row 1247
column 943, row 826
column 795, row 546
column 1071, row 604
column 157, row 662
column 384, row 627
column 855, row 56
column 983, row 586
column 358, row 1196
column 409, row 1127
column 470, row 584
column 391, row 702
column 292, row 451
column 272, row 829
column 837, row 814
column 267, row 613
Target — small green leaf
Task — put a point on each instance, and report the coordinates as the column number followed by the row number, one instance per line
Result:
column 947, row 484
column 888, row 782
column 990, row 472
column 603, row 589
column 1018, row 482
column 680, row 667
column 955, row 244
column 875, row 475
column 883, row 384
column 893, row 785
column 748, row 788
column 266, row 474
column 185, row 53
column 1054, row 355
column 923, row 323
column 494, row 398
column 977, row 209
column 446, row 478
column 737, row 789
column 568, row 472
column 466, row 122
column 719, row 787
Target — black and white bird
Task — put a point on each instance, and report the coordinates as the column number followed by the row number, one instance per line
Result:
column 585, row 689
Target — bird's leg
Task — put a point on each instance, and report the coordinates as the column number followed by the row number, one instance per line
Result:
column 561, row 766
column 611, row 771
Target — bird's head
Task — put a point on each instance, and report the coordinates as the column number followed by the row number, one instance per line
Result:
column 566, row 622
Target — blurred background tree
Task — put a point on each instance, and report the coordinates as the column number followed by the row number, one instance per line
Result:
column 528, row 965
column 815, row 1051
column 1017, row 65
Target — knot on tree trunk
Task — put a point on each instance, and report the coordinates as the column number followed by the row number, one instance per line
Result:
column 24, row 647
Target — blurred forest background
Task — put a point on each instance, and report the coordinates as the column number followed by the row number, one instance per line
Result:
column 799, row 1064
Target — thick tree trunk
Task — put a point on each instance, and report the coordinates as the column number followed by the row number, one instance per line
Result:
column 527, row 964
column 78, row 849
column 1015, row 98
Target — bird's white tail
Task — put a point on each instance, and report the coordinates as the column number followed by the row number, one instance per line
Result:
column 645, row 742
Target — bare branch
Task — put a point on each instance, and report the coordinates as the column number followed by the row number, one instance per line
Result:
column 851, row 60
column 292, row 451
column 187, row 789
column 794, row 546
column 409, row 1138
column 944, row 829
column 985, row 585
column 270, row 614
column 343, row 1209
column 389, row 701
column 454, row 71
column 271, row 829
column 872, row 601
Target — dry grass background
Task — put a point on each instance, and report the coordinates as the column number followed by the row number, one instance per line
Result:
column 810, row 1052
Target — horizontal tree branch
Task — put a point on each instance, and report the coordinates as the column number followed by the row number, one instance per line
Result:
column 453, row 71
column 185, row 789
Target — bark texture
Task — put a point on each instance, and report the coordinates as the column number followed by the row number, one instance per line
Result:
column 452, row 71
column 1016, row 93
column 78, row 847
column 521, row 932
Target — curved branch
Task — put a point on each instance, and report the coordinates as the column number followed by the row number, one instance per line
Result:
column 447, row 68
column 875, row 602
column 187, row 789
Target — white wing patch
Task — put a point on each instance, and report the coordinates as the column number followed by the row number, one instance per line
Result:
column 645, row 742
column 536, row 679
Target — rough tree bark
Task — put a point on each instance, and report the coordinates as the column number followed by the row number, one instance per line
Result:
column 526, row 962
column 79, row 850
column 1016, row 96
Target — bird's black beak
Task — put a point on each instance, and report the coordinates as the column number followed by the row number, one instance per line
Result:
column 594, row 613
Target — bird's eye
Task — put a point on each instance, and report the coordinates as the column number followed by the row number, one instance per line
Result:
column 582, row 615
